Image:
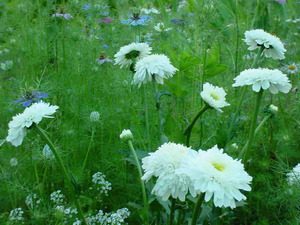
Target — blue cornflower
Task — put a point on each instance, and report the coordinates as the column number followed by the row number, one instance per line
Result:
column 86, row 6
column 136, row 20
column 31, row 97
column 177, row 21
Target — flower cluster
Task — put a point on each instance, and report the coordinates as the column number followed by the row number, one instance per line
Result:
column 16, row 216
column 33, row 114
column 32, row 201
column 57, row 197
column 214, row 96
column 180, row 169
column 293, row 177
column 7, row 65
column 273, row 47
column 116, row 218
column 274, row 80
column 100, row 184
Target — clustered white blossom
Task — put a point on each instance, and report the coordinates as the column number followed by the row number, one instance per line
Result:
column 33, row 114
column 214, row 96
column 117, row 218
column 57, row 197
column 157, row 67
column 263, row 78
column 293, row 177
column 32, row 201
column 16, row 216
column 180, row 169
column 94, row 116
column 69, row 213
column 272, row 45
column 100, row 184
column 7, row 65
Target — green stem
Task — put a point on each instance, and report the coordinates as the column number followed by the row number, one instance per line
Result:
column 197, row 209
column 188, row 131
column 244, row 151
column 141, row 181
column 88, row 151
column 262, row 123
column 241, row 99
column 179, row 216
column 146, row 117
column 63, row 168
column 172, row 211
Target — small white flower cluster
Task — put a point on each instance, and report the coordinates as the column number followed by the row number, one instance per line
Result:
column 160, row 27
column 13, row 161
column 32, row 201
column 100, row 184
column 180, row 170
column 7, row 65
column 293, row 177
column 117, row 218
column 94, row 116
column 57, row 197
column 16, row 216
column 69, row 213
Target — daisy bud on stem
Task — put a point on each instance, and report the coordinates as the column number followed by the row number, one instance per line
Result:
column 127, row 136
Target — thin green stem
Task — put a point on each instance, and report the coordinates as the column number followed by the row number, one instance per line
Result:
column 63, row 168
column 88, row 151
column 188, row 131
column 262, row 123
column 141, row 181
column 172, row 211
column 244, row 151
column 197, row 209
column 146, row 117
column 179, row 217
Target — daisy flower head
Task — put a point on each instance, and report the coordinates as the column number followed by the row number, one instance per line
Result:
column 273, row 47
column 217, row 175
column 33, row 114
column 214, row 96
column 290, row 68
column 128, row 54
column 262, row 78
column 293, row 177
column 164, row 164
column 156, row 67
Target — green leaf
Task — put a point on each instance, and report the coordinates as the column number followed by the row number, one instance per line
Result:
column 217, row 69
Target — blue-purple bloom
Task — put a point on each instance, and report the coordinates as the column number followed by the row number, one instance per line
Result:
column 31, row 97
column 281, row 1
column 86, row 6
column 178, row 21
column 136, row 20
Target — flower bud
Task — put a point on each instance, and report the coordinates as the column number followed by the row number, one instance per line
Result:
column 126, row 135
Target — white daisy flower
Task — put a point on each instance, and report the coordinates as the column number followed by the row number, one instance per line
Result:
column 32, row 114
column 273, row 47
column 274, row 80
column 217, row 175
column 153, row 66
column 293, row 177
column 290, row 68
column 214, row 96
column 164, row 164
column 128, row 54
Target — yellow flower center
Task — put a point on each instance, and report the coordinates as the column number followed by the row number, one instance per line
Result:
column 214, row 96
column 219, row 166
column 292, row 67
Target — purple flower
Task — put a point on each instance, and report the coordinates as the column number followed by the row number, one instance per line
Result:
column 105, row 46
column 177, row 21
column 86, row 6
column 136, row 20
column 31, row 97
column 107, row 20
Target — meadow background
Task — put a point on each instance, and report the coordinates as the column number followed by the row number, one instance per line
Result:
column 58, row 56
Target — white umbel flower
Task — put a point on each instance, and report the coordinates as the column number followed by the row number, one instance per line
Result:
column 160, row 27
column 214, row 96
column 217, row 174
column 293, row 177
column 130, row 53
column 33, row 114
column 164, row 164
column 153, row 66
column 274, row 80
column 273, row 47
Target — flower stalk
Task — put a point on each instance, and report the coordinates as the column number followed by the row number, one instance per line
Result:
column 244, row 151
column 63, row 168
column 172, row 211
column 141, row 181
column 197, row 209
column 188, row 131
